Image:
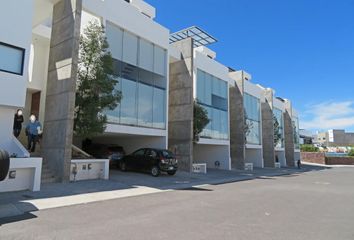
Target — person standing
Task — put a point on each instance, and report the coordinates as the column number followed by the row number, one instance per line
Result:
column 33, row 130
column 18, row 120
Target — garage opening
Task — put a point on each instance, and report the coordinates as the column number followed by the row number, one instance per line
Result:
column 215, row 156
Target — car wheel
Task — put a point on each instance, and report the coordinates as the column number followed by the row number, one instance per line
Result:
column 171, row 173
column 155, row 171
column 123, row 166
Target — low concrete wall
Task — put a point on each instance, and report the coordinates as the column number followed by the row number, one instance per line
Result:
column 313, row 157
column 340, row 160
column 87, row 169
column 26, row 175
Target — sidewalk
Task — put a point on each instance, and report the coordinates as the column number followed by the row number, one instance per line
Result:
column 121, row 185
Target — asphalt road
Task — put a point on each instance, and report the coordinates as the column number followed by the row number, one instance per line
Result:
column 310, row 206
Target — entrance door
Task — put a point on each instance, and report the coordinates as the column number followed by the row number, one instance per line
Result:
column 35, row 103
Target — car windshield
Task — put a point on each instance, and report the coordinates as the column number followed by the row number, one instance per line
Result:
column 167, row 154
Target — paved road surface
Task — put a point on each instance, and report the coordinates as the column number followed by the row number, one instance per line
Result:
column 309, row 206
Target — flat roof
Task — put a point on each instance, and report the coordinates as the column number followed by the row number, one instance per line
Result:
column 201, row 37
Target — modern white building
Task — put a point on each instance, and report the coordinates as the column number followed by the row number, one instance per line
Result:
column 15, row 50
column 160, row 76
column 139, row 47
column 211, row 82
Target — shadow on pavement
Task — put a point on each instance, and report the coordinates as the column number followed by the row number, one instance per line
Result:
column 124, row 184
column 23, row 217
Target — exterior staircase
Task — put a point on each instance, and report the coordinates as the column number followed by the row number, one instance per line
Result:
column 47, row 174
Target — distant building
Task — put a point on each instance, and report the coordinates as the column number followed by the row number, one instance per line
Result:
column 335, row 137
column 306, row 137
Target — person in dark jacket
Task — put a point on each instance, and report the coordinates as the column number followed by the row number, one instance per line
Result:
column 33, row 130
column 18, row 120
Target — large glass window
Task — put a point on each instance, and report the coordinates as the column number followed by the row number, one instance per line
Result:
column 145, row 105
column 11, row 59
column 141, row 71
column 128, row 103
column 114, row 36
column 278, row 117
column 252, row 117
column 212, row 95
column 130, row 48
column 160, row 61
column 146, row 54
column 159, row 106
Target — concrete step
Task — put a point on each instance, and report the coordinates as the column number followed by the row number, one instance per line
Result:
column 49, row 180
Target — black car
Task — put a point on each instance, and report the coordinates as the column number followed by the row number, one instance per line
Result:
column 152, row 160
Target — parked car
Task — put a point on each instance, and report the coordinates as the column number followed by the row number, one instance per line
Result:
column 152, row 160
column 112, row 152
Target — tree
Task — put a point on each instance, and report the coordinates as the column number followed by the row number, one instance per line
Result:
column 200, row 120
column 277, row 131
column 95, row 91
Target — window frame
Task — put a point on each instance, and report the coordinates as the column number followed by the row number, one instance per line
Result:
column 22, row 60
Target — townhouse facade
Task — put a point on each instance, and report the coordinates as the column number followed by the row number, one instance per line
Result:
column 161, row 76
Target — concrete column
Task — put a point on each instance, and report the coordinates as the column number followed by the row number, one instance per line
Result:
column 289, row 135
column 180, row 123
column 61, row 87
column 237, row 122
column 268, row 129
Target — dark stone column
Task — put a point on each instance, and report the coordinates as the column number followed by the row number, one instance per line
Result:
column 237, row 128
column 289, row 135
column 61, row 87
column 268, row 129
column 180, row 122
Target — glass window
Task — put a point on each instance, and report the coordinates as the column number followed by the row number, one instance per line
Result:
column 252, row 115
column 253, row 136
column 145, row 103
column 146, row 55
column 128, row 103
column 224, row 89
column 200, row 86
column 130, row 72
column 278, row 116
column 130, row 50
column 212, row 95
column 208, row 89
column 296, row 133
column 114, row 36
column 113, row 116
column 139, row 152
column 159, row 81
column 159, row 108
column 11, row 59
column 159, row 61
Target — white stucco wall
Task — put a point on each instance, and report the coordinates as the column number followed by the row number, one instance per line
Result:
column 209, row 154
column 28, row 175
column 255, row 156
column 16, row 29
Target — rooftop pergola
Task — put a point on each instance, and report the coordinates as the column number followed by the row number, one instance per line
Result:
column 201, row 37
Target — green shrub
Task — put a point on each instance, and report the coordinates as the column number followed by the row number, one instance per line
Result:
column 308, row 148
column 351, row 153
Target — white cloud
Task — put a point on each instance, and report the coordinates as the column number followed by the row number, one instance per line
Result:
column 329, row 115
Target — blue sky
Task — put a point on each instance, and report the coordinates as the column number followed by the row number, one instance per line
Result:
column 304, row 49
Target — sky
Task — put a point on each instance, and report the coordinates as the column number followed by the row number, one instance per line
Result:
column 304, row 49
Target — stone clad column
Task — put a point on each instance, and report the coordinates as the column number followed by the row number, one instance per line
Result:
column 289, row 135
column 61, row 87
column 237, row 123
column 180, row 122
column 268, row 129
